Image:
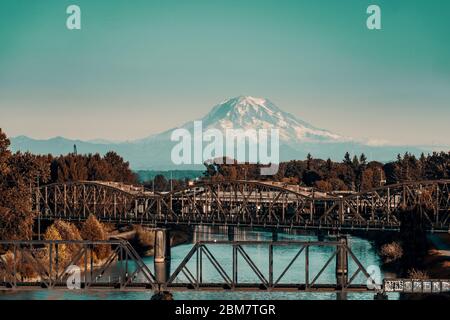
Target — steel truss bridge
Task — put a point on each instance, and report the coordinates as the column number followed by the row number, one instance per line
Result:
column 39, row 265
column 248, row 203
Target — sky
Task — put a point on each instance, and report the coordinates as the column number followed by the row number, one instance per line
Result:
column 140, row 67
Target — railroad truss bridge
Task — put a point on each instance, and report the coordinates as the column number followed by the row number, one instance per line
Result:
column 249, row 203
column 44, row 264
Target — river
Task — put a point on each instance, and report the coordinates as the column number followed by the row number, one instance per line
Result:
column 363, row 250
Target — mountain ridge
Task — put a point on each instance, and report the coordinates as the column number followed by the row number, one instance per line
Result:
column 297, row 138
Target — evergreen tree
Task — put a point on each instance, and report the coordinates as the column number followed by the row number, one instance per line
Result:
column 309, row 159
column 355, row 162
column 347, row 160
column 329, row 165
column 363, row 159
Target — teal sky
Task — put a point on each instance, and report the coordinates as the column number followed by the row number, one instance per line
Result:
column 139, row 67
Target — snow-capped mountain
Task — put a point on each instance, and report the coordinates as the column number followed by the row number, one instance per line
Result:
column 246, row 112
column 297, row 138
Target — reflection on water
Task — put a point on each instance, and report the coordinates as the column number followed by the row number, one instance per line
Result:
column 362, row 249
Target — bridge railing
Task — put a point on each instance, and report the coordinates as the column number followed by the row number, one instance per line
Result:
column 279, row 270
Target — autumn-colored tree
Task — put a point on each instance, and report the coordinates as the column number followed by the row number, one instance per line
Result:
column 16, row 218
column 97, row 168
column 67, row 230
column 367, row 180
column 62, row 230
column 70, row 167
column 4, row 153
column 64, row 255
column 338, row 185
column 52, row 233
column 78, row 167
column 324, row 186
column 93, row 229
column 18, row 173
column 119, row 169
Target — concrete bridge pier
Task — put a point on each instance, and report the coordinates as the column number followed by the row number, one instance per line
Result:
column 162, row 245
column 162, row 255
column 162, row 263
column 162, row 271
column 341, row 267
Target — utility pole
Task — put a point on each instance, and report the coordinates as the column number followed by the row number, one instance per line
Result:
column 39, row 211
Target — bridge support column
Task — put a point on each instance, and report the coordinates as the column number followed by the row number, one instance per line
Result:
column 231, row 231
column 342, row 263
column 274, row 235
column 161, row 260
column 341, row 295
column 320, row 235
column 162, row 272
column 162, row 245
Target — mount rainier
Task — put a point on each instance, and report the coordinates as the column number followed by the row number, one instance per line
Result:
column 297, row 138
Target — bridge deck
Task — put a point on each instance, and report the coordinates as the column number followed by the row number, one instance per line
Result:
column 145, row 287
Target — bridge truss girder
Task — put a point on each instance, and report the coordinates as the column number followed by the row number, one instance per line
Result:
column 249, row 203
column 46, row 264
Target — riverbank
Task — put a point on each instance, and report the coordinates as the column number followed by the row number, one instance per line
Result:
column 431, row 258
column 420, row 257
column 438, row 258
column 143, row 238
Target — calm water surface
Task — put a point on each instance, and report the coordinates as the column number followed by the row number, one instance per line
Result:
column 362, row 249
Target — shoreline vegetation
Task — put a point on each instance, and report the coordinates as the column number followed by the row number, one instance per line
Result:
column 142, row 239
column 414, row 257
column 91, row 229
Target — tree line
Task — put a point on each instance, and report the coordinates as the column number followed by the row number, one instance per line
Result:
column 19, row 172
column 351, row 174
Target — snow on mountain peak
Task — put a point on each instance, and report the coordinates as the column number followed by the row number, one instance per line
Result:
column 246, row 112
